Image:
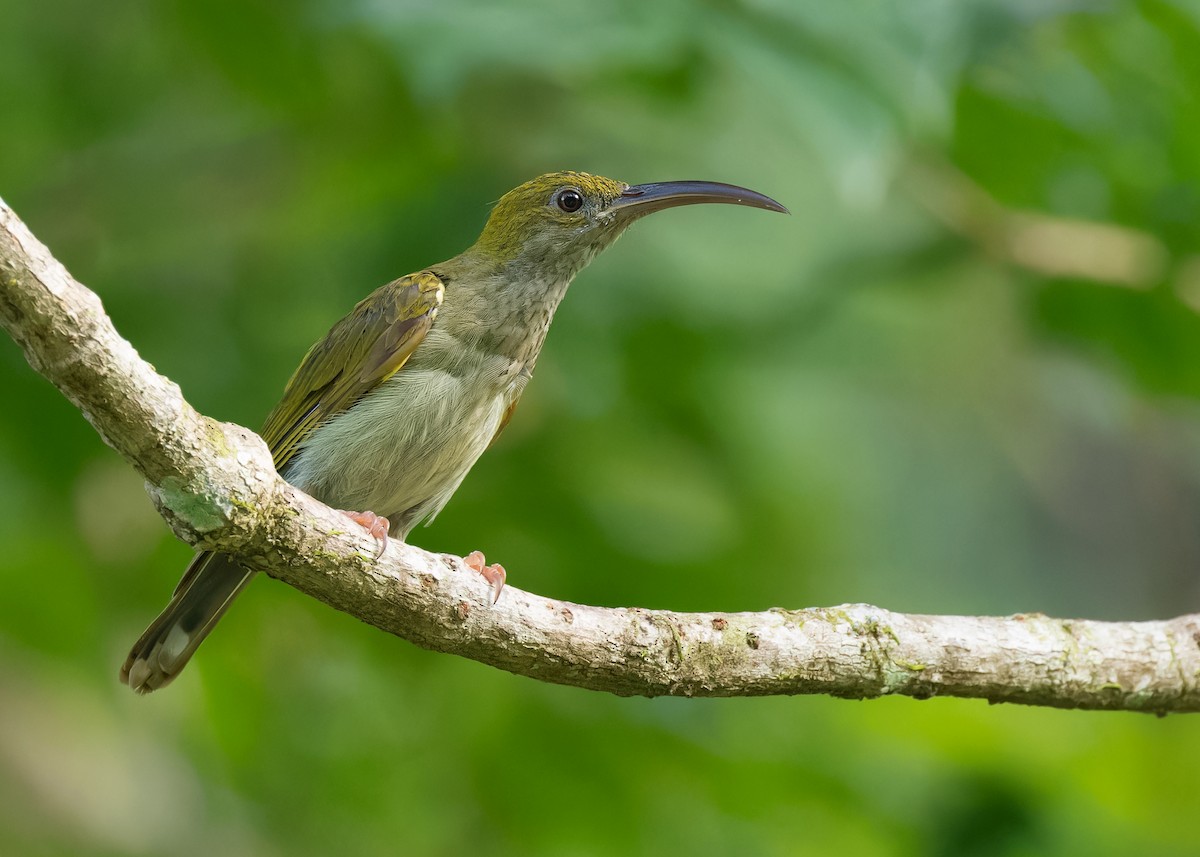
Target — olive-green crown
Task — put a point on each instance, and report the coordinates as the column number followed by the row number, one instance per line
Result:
column 529, row 210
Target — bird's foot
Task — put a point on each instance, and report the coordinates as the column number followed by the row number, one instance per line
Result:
column 376, row 526
column 493, row 574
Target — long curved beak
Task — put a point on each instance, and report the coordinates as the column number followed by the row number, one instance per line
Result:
column 641, row 199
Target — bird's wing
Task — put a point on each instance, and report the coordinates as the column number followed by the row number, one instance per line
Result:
column 362, row 351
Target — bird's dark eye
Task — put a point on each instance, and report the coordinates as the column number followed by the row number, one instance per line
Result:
column 570, row 200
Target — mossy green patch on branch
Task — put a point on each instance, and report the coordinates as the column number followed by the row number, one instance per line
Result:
column 201, row 511
column 215, row 435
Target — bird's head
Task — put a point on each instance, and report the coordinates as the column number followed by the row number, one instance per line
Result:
column 559, row 221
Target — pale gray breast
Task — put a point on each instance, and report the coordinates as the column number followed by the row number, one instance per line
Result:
column 403, row 450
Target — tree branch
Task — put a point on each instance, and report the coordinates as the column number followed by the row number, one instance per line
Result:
column 215, row 485
column 1048, row 245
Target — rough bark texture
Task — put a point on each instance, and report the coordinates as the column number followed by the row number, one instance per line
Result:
column 215, row 485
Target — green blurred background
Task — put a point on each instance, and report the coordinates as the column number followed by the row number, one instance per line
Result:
column 963, row 377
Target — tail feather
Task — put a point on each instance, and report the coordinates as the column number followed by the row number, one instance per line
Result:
column 207, row 589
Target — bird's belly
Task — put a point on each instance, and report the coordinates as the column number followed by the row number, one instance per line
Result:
column 403, row 450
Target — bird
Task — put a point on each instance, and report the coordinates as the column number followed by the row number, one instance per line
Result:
column 389, row 411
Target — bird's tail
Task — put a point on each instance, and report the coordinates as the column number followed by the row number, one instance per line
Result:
column 207, row 589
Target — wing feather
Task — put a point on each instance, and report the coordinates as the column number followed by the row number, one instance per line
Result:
column 363, row 350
